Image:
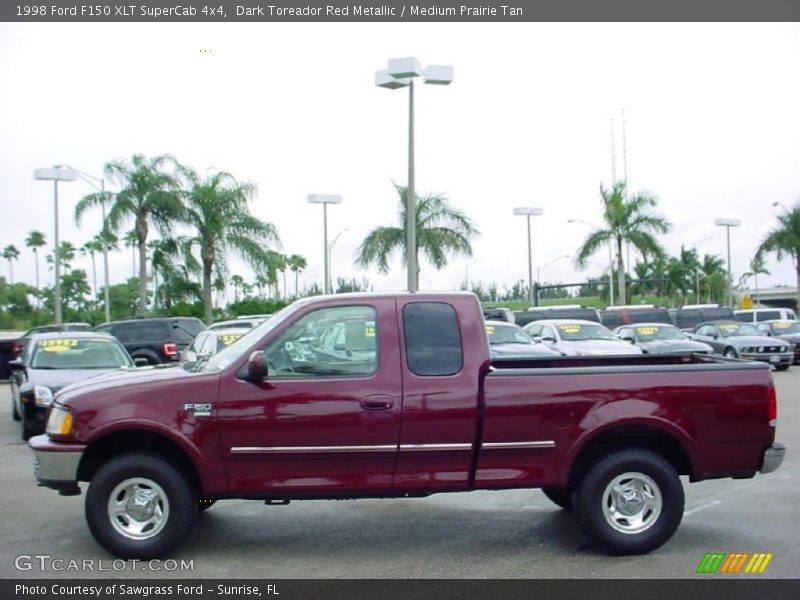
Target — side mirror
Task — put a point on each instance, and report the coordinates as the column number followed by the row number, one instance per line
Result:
column 537, row 339
column 16, row 365
column 548, row 339
column 141, row 361
column 257, row 367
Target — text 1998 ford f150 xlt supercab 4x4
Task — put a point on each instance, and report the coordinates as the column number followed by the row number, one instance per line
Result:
column 395, row 395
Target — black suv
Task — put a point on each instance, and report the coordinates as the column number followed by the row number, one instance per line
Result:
column 159, row 340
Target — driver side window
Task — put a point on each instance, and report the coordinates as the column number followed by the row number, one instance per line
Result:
column 328, row 342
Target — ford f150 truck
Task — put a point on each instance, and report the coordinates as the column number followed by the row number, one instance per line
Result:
column 395, row 395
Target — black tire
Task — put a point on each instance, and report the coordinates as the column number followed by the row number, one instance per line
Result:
column 14, row 412
column 181, row 505
column 203, row 504
column 782, row 367
column 559, row 496
column 730, row 353
column 660, row 477
column 27, row 432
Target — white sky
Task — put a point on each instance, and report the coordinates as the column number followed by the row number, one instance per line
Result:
column 713, row 116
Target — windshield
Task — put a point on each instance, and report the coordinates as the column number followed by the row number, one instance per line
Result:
column 577, row 332
column 649, row 333
column 784, row 327
column 222, row 359
column 737, row 329
column 507, row 334
column 79, row 353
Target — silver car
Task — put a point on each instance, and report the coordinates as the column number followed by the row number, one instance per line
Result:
column 660, row 338
column 507, row 340
column 742, row 340
column 574, row 337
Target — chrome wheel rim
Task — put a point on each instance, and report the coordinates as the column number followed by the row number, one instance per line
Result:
column 138, row 508
column 632, row 503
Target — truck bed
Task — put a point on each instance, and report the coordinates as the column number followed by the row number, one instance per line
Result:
column 622, row 364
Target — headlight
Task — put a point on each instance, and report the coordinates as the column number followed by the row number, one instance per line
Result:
column 59, row 421
column 748, row 349
column 43, row 395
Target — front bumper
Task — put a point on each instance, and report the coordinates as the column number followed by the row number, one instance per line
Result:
column 57, row 464
column 773, row 457
column 786, row 358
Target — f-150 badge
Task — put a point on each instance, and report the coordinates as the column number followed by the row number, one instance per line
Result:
column 199, row 410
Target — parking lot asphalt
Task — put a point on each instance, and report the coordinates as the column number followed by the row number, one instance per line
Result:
column 510, row 534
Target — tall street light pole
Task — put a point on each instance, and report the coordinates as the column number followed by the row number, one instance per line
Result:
column 55, row 175
column 401, row 73
column 94, row 181
column 325, row 199
column 330, row 252
column 727, row 224
column 528, row 212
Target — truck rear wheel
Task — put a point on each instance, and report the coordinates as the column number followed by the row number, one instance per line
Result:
column 630, row 502
column 140, row 506
column 559, row 496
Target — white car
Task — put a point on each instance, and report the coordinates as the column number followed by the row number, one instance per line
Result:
column 574, row 337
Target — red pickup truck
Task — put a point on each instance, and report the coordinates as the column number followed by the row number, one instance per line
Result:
column 395, row 395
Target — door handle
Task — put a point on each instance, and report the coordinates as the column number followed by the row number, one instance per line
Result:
column 377, row 402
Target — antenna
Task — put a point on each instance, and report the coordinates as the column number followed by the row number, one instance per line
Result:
column 624, row 150
column 613, row 156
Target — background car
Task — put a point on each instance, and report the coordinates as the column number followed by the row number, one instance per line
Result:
column 209, row 342
column 691, row 315
column 573, row 337
column 498, row 314
column 244, row 323
column 158, row 340
column 507, row 340
column 742, row 340
column 53, row 360
column 614, row 316
column 660, row 338
column 756, row 315
column 541, row 313
column 788, row 331
column 20, row 347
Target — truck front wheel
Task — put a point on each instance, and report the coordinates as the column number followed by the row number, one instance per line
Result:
column 630, row 502
column 140, row 506
column 559, row 496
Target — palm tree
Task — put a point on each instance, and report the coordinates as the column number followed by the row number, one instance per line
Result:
column 715, row 276
column 628, row 219
column 441, row 230
column 758, row 266
column 297, row 263
column 10, row 253
column 34, row 241
column 66, row 254
column 131, row 241
column 217, row 209
column 149, row 196
column 238, row 283
column 784, row 240
column 90, row 248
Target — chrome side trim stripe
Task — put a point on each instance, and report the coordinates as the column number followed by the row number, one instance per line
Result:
column 518, row 445
column 309, row 449
column 390, row 448
column 428, row 447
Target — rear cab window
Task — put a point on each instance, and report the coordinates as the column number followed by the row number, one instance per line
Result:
column 432, row 339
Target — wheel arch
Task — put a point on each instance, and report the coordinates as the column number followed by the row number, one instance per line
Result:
column 670, row 443
column 142, row 439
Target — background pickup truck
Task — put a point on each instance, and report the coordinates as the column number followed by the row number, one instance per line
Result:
column 395, row 395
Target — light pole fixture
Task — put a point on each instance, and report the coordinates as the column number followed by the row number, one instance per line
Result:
column 547, row 264
column 727, row 224
column 401, row 73
column 610, row 260
column 55, row 175
column 330, row 252
column 94, row 181
column 528, row 212
column 325, row 199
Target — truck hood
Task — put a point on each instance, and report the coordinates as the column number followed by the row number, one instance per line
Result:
column 522, row 350
column 666, row 346
column 55, row 379
column 122, row 378
column 597, row 347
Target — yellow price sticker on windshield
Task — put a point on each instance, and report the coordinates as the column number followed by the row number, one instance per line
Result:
column 782, row 325
column 729, row 327
column 647, row 330
column 569, row 328
column 228, row 339
column 369, row 331
column 489, row 329
column 59, row 345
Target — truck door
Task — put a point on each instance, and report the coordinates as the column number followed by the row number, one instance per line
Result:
column 326, row 419
column 444, row 350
